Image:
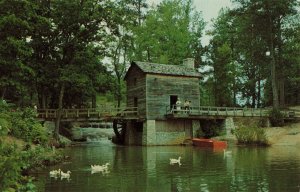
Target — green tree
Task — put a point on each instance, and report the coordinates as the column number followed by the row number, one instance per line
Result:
column 291, row 59
column 267, row 18
column 15, row 27
column 129, row 15
column 79, row 28
column 221, row 56
column 171, row 32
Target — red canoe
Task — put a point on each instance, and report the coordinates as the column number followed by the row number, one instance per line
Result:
column 209, row 143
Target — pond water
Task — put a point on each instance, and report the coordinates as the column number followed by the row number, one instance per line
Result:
column 137, row 168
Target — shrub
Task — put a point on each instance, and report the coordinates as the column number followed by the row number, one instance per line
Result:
column 211, row 129
column 26, row 127
column 276, row 118
column 4, row 125
column 15, row 161
column 251, row 135
column 9, row 166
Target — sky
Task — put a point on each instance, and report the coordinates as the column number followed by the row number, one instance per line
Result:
column 209, row 9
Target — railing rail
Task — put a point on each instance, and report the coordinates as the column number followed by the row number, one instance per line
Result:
column 224, row 111
column 88, row 113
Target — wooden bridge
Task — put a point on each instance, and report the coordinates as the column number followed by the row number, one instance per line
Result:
column 131, row 113
column 209, row 112
column 90, row 114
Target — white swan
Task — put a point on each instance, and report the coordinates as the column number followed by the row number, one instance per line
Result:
column 227, row 153
column 173, row 161
column 55, row 173
column 65, row 175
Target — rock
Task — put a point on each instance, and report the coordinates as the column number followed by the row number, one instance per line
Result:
column 65, row 141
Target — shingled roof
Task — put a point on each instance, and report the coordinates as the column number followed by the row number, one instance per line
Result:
column 165, row 69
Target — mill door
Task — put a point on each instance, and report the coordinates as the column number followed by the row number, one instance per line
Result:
column 173, row 99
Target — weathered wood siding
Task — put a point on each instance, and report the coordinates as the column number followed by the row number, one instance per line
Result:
column 136, row 87
column 160, row 88
column 173, row 132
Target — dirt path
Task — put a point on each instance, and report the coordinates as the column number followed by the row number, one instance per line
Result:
column 287, row 135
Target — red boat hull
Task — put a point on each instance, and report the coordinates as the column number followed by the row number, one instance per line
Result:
column 210, row 143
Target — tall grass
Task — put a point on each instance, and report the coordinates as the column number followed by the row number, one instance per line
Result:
column 251, row 135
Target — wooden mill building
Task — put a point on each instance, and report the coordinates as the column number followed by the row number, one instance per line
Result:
column 153, row 88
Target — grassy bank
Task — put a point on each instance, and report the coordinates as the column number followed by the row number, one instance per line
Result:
column 23, row 147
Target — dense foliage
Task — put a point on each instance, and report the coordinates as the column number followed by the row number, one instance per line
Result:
column 63, row 53
column 254, row 54
column 53, row 53
column 17, row 158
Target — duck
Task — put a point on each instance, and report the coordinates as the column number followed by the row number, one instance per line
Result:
column 55, row 173
column 173, row 161
column 65, row 175
column 100, row 168
column 96, row 168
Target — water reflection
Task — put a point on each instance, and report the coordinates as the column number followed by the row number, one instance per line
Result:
column 148, row 169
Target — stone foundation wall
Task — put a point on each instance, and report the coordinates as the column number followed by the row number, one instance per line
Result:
column 160, row 132
column 149, row 133
column 229, row 126
column 91, row 134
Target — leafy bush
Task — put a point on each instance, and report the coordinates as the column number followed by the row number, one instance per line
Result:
column 9, row 167
column 251, row 135
column 211, row 129
column 15, row 161
column 26, row 127
column 4, row 106
column 276, row 118
column 4, row 125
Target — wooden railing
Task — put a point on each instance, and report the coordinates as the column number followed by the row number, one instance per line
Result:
column 225, row 111
column 88, row 113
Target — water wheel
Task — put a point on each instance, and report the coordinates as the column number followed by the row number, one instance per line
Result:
column 119, row 127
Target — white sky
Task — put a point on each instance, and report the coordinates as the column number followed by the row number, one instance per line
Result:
column 209, row 9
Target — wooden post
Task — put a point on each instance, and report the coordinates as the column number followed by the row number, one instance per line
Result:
column 260, row 112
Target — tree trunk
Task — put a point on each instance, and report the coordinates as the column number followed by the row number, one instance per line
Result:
column 59, row 112
column 281, row 92
column 148, row 55
column 94, row 104
column 273, row 63
column 44, row 99
column 119, row 91
column 281, row 71
column 258, row 93
column 3, row 93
